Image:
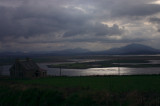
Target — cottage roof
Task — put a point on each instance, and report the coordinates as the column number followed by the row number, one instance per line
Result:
column 27, row 64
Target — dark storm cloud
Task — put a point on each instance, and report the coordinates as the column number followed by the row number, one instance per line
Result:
column 154, row 20
column 32, row 18
column 137, row 10
column 96, row 29
column 27, row 20
column 13, row 26
column 31, row 21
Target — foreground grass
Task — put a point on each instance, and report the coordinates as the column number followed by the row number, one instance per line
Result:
column 110, row 83
column 95, row 90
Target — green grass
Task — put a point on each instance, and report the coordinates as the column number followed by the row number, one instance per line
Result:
column 81, row 91
column 110, row 83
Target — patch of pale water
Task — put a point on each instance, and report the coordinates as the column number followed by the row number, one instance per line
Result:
column 91, row 71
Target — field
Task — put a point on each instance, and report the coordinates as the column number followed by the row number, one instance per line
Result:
column 91, row 90
column 137, row 90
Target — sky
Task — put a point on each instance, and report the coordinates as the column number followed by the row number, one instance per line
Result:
column 51, row 25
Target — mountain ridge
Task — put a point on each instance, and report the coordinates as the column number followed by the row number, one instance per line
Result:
column 133, row 49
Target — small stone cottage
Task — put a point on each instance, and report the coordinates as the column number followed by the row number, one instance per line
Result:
column 26, row 69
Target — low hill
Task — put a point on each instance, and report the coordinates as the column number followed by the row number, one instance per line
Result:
column 133, row 49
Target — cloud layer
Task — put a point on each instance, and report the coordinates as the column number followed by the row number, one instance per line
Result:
column 38, row 25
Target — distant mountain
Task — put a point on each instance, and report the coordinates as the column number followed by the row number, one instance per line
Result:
column 133, row 49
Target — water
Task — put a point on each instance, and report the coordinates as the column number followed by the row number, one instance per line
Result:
column 92, row 71
column 105, row 71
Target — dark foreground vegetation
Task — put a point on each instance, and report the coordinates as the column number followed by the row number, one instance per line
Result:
column 81, row 91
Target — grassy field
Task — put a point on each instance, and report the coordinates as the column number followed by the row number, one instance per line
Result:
column 110, row 83
column 73, row 91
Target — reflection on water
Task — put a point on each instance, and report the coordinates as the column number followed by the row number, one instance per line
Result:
column 104, row 71
column 92, row 71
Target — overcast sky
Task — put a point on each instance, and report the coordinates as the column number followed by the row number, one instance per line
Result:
column 50, row 25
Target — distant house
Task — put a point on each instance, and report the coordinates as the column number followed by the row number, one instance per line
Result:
column 26, row 69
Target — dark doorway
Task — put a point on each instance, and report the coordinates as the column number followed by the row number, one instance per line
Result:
column 37, row 73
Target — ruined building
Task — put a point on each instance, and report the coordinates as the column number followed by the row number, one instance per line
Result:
column 26, row 69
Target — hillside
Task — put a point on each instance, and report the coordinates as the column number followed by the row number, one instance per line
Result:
column 133, row 49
